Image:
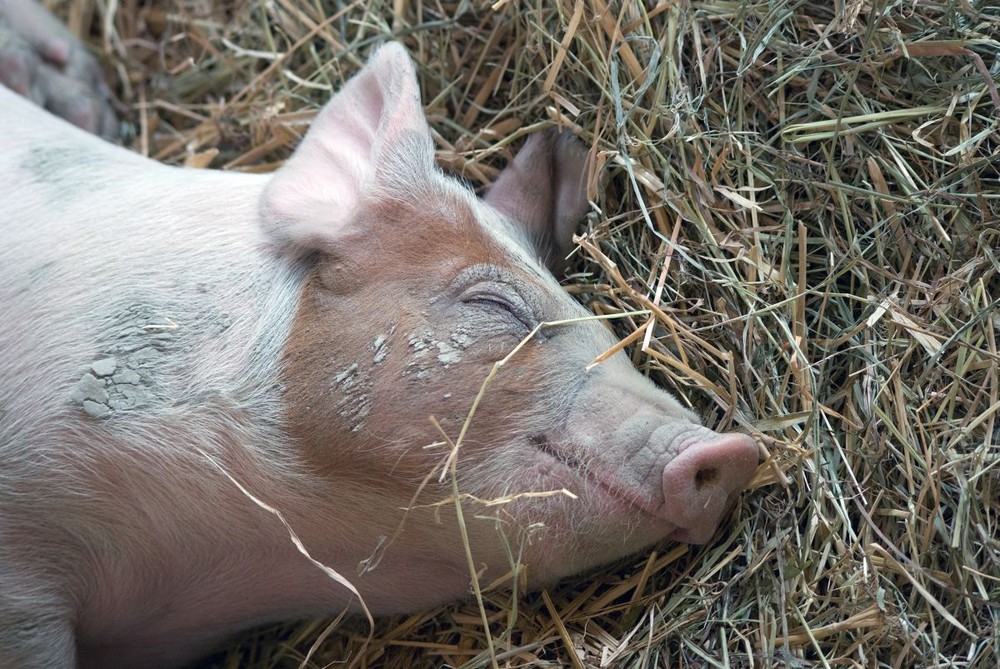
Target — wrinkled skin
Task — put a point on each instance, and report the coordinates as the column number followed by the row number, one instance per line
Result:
column 41, row 60
column 183, row 350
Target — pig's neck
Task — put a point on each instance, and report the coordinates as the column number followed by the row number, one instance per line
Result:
column 204, row 325
column 200, row 320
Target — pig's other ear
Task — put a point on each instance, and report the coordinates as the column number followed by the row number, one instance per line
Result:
column 375, row 120
column 544, row 190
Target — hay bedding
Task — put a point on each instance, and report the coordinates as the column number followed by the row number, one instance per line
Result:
column 803, row 194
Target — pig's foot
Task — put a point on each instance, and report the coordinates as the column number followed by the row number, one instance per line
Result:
column 43, row 61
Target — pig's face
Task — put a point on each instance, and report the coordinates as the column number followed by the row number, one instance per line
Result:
column 417, row 289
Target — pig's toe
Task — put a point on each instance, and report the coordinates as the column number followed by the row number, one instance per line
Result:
column 55, row 50
column 79, row 104
column 83, row 67
column 41, row 60
column 18, row 64
column 88, row 91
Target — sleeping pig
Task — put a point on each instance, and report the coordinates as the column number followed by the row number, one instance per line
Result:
column 200, row 370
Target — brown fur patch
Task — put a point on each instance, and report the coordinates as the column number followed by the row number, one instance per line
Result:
column 345, row 364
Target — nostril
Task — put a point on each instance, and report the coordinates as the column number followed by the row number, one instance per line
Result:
column 706, row 476
column 699, row 482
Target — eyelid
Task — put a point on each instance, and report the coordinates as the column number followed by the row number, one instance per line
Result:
column 502, row 297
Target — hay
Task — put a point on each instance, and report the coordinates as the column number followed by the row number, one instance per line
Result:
column 804, row 195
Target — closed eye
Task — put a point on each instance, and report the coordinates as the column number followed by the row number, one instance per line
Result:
column 502, row 302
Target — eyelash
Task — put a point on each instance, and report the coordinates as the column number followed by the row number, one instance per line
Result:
column 497, row 302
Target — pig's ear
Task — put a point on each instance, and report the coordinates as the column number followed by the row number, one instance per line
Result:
column 544, row 190
column 374, row 124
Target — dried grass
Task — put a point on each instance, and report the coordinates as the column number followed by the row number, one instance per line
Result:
column 804, row 195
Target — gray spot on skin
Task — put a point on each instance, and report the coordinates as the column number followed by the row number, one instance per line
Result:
column 95, row 410
column 43, row 272
column 92, row 396
column 347, row 378
column 356, row 402
column 380, row 348
column 129, row 396
column 119, row 404
column 90, row 388
column 100, row 396
column 133, row 351
column 424, row 347
column 223, row 322
column 147, row 357
column 416, row 367
column 128, row 376
column 361, row 411
column 461, row 339
column 137, row 327
column 415, row 370
column 38, row 277
column 447, row 355
column 105, row 367
column 61, row 166
column 380, row 345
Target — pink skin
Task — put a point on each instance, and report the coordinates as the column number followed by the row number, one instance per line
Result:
column 42, row 61
column 173, row 341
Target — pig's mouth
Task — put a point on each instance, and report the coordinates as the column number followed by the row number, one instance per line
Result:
column 695, row 486
column 613, row 490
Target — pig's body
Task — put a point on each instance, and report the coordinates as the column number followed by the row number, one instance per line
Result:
column 169, row 336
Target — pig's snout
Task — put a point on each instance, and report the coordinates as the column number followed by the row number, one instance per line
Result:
column 698, row 483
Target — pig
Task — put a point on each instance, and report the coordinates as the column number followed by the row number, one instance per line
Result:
column 228, row 399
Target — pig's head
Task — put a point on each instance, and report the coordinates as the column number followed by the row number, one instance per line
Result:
column 416, row 288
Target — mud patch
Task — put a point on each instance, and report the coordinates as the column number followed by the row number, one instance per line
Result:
column 447, row 354
column 92, row 395
column 123, row 375
column 380, row 346
column 427, row 352
column 355, row 401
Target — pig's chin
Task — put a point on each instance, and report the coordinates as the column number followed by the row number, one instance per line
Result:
column 601, row 523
